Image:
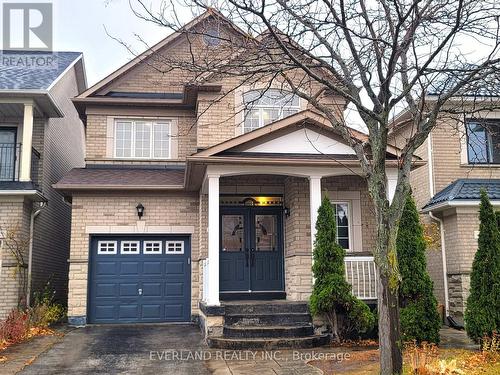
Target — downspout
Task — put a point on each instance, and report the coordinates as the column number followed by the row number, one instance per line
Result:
column 430, row 165
column 34, row 214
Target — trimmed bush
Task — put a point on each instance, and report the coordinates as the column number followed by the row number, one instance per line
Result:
column 331, row 295
column 419, row 315
column 482, row 315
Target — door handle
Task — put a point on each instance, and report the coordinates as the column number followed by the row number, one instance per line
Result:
column 140, row 292
column 252, row 257
column 247, row 256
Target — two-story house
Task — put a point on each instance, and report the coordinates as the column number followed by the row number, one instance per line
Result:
column 41, row 139
column 190, row 201
column 462, row 155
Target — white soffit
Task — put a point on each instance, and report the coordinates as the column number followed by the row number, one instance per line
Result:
column 302, row 141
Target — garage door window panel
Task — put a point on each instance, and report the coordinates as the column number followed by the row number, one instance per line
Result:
column 130, row 247
column 175, row 247
column 153, row 247
column 106, row 247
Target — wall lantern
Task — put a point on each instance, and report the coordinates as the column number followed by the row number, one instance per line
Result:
column 140, row 210
column 286, row 211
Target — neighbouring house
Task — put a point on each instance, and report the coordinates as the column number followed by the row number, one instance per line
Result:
column 463, row 156
column 41, row 139
column 191, row 205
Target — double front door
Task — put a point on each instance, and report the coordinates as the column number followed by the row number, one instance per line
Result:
column 251, row 249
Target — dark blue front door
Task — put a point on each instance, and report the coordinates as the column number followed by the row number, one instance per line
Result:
column 251, row 252
column 139, row 279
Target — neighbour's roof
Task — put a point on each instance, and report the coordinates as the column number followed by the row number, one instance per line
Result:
column 466, row 190
column 115, row 177
column 20, row 71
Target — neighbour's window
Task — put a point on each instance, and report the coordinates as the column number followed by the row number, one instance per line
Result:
column 343, row 223
column 483, row 142
column 142, row 139
column 264, row 107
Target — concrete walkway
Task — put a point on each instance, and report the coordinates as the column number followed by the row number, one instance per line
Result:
column 455, row 339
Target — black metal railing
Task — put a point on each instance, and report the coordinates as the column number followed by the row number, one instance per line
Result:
column 10, row 162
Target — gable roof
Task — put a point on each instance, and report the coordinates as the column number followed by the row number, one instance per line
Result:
column 18, row 72
column 306, row 116
column 210, row 12
column 466, row 190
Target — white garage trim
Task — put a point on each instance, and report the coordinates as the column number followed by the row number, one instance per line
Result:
column 134, row 229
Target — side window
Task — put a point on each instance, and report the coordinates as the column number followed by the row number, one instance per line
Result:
column 174, row 247
column 483, row 142
column 152, row 247
column 342, row 214
column 130, row 247
column 106, row 247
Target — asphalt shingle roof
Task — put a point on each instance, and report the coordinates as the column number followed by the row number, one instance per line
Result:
column 32, row 70
column 466, row 189
column 124, row 176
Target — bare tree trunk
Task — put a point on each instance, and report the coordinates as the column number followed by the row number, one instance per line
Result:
column 335, row 326
column 391, row 358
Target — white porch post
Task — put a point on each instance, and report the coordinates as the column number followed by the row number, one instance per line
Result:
column 392, row 181
column 213, row 240
column 25, row 166
column 314, row 203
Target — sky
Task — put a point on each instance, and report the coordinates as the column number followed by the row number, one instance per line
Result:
column 80, row 25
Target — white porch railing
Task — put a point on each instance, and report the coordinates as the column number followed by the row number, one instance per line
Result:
column 361, row 273
column 204, row 273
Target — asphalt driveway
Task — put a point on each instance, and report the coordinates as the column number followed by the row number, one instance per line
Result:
column 137, row 349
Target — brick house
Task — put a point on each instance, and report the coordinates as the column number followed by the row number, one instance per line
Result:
column 188, row 202
column 462, row 156
column 41, row 139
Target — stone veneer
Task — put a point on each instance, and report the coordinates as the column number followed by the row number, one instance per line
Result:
column 458, row 286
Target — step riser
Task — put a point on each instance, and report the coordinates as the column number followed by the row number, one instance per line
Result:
column 267, row 320
column 303, row 343
column 267, row 309
column 268, row 333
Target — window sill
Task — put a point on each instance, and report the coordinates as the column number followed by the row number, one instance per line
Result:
column 469, row 166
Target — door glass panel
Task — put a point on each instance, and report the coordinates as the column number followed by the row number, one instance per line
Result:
column 233, row 234
column 266, row 229
column 7, row 154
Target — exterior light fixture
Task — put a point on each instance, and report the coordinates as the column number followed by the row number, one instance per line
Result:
column 286, row 211
column 140, row 210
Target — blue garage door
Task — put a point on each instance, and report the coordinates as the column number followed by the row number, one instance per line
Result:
column 144, row 279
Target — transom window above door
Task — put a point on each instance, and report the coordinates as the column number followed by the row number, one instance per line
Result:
column 483, row 142
column 143, row 139
column 264, row 107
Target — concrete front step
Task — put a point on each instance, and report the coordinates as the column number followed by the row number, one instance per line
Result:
column 268, row 344
column 289, row 319
column 267, row 331
column 266, row 308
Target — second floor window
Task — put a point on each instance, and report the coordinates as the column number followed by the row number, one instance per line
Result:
column 483, row 142
column 142, row 139
column 262, row 108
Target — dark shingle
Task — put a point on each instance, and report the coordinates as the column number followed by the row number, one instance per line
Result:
column 466, row 189
column 19, row 69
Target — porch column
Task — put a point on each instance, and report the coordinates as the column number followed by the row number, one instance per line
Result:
column 392, row 181
column 25, row 166
column 213, row 240
column 314, row 203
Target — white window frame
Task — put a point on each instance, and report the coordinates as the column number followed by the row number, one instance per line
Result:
column 349, row 218
column 137, row 243
column 174, row 243
column 151, row 252
column 107, row 243
column 133, row 122
column 262, row 107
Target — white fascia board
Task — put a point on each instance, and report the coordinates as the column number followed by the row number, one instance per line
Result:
column 458, row 203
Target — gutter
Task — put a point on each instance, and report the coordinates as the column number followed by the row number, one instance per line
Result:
column 34, row 214
column 430, row 166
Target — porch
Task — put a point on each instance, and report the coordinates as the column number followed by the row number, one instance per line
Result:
column 261, row 232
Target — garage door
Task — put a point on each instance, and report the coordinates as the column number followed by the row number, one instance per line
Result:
column 143, row 279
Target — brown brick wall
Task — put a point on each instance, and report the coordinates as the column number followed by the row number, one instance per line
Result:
column 14, row 228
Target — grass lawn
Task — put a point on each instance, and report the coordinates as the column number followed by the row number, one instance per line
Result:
column 427, row 361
